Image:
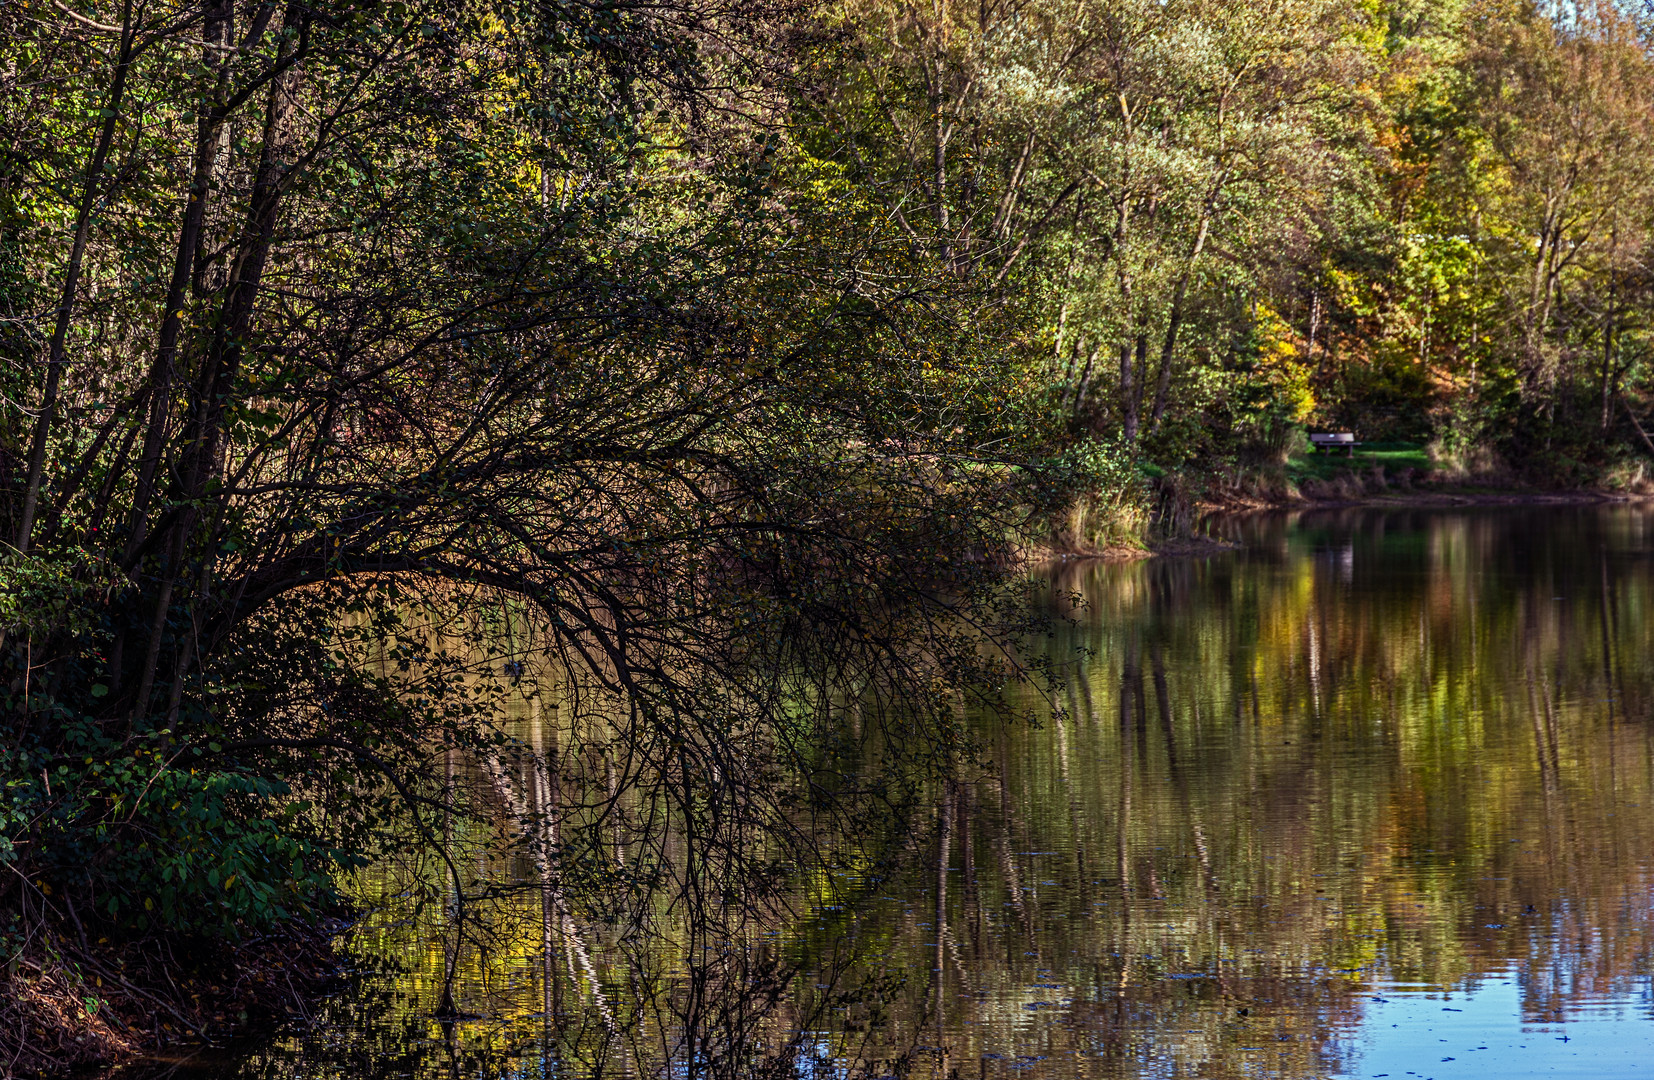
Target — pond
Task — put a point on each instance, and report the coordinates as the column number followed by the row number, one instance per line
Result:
column 1372, row 796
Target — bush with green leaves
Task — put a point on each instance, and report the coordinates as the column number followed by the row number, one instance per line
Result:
column 141, row 835
column 1099, row 495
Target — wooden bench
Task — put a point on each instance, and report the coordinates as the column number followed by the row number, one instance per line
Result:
column 1343, row 440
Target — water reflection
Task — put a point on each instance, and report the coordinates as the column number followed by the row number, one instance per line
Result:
column 1371, row 796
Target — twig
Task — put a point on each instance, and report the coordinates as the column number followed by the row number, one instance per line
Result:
column 1635, row 424
column 83, row 20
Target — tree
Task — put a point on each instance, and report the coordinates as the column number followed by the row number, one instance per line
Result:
column 1563, row 110
column 364, row 317
column 1093, row 156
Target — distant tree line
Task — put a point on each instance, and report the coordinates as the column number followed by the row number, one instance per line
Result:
column 1226, row 221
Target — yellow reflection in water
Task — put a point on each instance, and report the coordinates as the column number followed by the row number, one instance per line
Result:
column 1374, row 748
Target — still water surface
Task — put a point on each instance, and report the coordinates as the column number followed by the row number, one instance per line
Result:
column 1373, row 796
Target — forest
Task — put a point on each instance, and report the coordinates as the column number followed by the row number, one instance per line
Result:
column 719, row 363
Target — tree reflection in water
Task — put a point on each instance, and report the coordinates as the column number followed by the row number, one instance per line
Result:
column 1376, row 748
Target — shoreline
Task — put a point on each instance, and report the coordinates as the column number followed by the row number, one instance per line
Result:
column 65, row 1010
column 1446, row 498
column 1443, row 499
column 1181, row 547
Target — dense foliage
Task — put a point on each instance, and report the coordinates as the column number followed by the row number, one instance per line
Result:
column 1423, row 220
column 336, row 323
column 716, row 356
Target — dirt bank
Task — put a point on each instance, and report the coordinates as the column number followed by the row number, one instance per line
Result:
column 1444, row 497
column 63, row 1007
column 1422, row 496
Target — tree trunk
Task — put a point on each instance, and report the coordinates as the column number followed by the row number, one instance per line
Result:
column 55, row 353
column 1140, row 348
column 1128, row 392
column 1607, row 370
column 219, row 373
column 1608, row 334
column 1174, row 318
column 214, row 30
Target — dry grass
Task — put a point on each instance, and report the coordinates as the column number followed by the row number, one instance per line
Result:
column 51, row 1021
